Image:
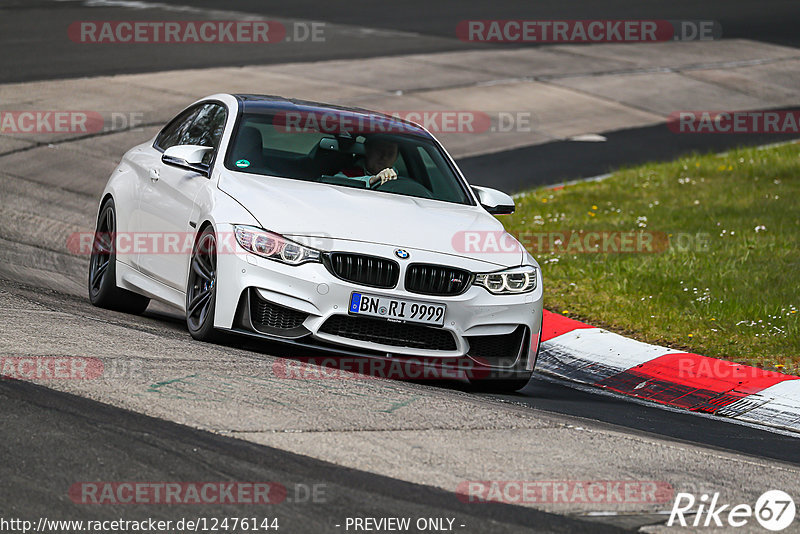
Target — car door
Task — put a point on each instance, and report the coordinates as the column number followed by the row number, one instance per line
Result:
column 167, row 200
column 144, row 162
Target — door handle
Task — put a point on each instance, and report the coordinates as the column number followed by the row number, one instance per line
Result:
column 154, row 175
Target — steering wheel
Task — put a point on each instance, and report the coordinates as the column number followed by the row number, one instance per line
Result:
column 405, row 186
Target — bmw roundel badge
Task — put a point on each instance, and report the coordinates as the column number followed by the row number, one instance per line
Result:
column 402, row 254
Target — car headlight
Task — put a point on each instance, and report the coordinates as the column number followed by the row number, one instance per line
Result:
column 510, row 282
column 273, row 246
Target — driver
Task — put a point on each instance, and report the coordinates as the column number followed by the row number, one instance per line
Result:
column 376, row 167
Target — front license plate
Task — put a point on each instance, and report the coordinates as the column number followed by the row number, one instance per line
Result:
column 397, row 309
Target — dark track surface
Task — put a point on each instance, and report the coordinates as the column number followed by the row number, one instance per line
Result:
column 553, row 163
column 713, row 432
column 772, row 21
column 36, row 45
column 53, row 440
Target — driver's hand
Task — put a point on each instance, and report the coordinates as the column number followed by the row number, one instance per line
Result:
column 384, row 176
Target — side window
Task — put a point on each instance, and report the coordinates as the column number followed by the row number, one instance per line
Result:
column 174, row 131
column 206, row 129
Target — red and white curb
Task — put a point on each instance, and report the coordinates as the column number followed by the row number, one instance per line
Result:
column 578, row 352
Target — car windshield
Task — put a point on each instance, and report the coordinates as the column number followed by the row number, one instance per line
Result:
column 345, row 149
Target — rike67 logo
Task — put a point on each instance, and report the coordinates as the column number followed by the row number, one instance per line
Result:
column 774, row 510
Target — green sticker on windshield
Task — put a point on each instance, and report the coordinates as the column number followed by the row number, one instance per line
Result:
column 242, row 163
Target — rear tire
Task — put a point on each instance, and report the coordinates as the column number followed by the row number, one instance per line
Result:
column 103, row 290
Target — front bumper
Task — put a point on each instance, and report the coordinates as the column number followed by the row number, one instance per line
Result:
column 307, row 305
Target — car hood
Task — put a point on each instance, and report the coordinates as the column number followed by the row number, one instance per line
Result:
column 297, row 208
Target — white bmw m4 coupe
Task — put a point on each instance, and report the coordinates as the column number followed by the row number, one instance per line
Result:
column 330, row 228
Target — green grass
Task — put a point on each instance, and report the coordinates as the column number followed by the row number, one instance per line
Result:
column 733, row 294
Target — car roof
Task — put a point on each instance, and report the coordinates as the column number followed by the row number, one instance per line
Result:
column 270, row 103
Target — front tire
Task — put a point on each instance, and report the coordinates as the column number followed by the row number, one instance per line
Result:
column 103, row 290
column 201, row 289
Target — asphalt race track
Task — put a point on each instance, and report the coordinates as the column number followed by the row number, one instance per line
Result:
column 407, row 27
column 56, row 435
column 377, row 448
column 553, row 163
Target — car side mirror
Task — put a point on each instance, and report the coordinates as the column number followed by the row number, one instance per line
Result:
column 189, row 157
column 494, row 201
